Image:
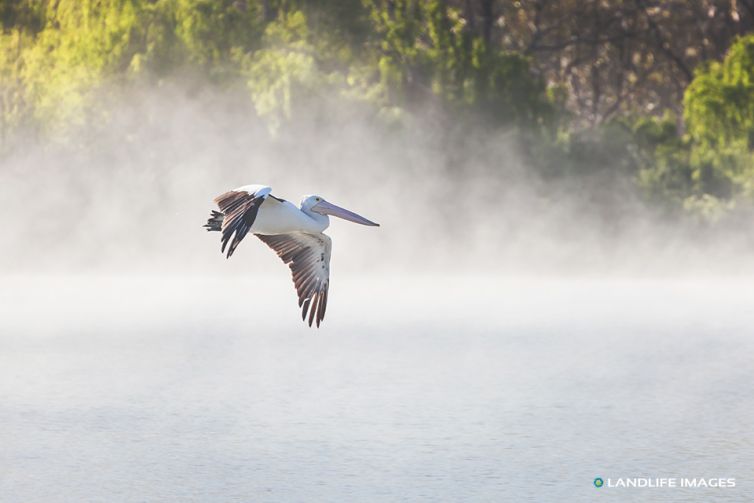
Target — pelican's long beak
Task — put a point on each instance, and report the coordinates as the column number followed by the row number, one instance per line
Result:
column 325, row 208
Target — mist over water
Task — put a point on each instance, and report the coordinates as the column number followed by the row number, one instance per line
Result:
column 500, row 336
column 459, row 390
column 130, row 191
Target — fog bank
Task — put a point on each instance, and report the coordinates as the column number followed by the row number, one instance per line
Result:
column 129, row 192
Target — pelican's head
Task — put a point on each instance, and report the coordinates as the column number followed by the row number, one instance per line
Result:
column 317, row 204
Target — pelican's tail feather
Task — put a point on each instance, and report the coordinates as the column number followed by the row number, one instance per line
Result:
column 215, row 221
column 238, row 210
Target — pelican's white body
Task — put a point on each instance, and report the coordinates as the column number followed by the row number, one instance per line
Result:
column 283, row 217
column 294, row 233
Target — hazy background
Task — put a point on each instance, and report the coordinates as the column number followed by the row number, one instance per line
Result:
column 559, row 289
column 130, row 198
column 529, row 137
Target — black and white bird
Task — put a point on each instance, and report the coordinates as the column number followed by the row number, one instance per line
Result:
column 296, row 235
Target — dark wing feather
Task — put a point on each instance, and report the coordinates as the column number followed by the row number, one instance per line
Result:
column 239, row 209
column 215, row 221
column 308, row 256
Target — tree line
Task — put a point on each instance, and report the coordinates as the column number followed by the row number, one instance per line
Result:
column 661, row 91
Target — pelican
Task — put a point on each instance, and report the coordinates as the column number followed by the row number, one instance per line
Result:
column 295, row 234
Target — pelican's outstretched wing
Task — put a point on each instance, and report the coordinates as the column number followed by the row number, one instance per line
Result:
column 308, row 256
column 238, row 210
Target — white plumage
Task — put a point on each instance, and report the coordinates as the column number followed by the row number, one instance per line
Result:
column 295, row 234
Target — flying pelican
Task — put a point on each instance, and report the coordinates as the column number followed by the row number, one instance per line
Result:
column 295, row 234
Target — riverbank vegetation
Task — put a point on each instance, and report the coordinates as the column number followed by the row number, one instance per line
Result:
column 659, row 92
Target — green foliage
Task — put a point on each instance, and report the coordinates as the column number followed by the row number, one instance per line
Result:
column 13, row 108
column 23, row 15
column 426, row 52
column 286, row 69
column 395, row 57
column 210, row 30
column 403, row 54
column 719, row 116
column 82, row 44
column 664, row 169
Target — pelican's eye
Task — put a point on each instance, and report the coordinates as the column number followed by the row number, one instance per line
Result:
column 318, row 199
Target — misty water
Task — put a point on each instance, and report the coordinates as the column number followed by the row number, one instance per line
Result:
column 499, row 338
column 428, row 388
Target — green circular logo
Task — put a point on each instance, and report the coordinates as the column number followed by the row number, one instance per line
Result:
column 598, row 482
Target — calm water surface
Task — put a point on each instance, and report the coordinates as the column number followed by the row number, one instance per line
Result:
column 124, row 390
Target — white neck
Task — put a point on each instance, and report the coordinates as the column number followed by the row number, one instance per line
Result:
column 320, row 221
